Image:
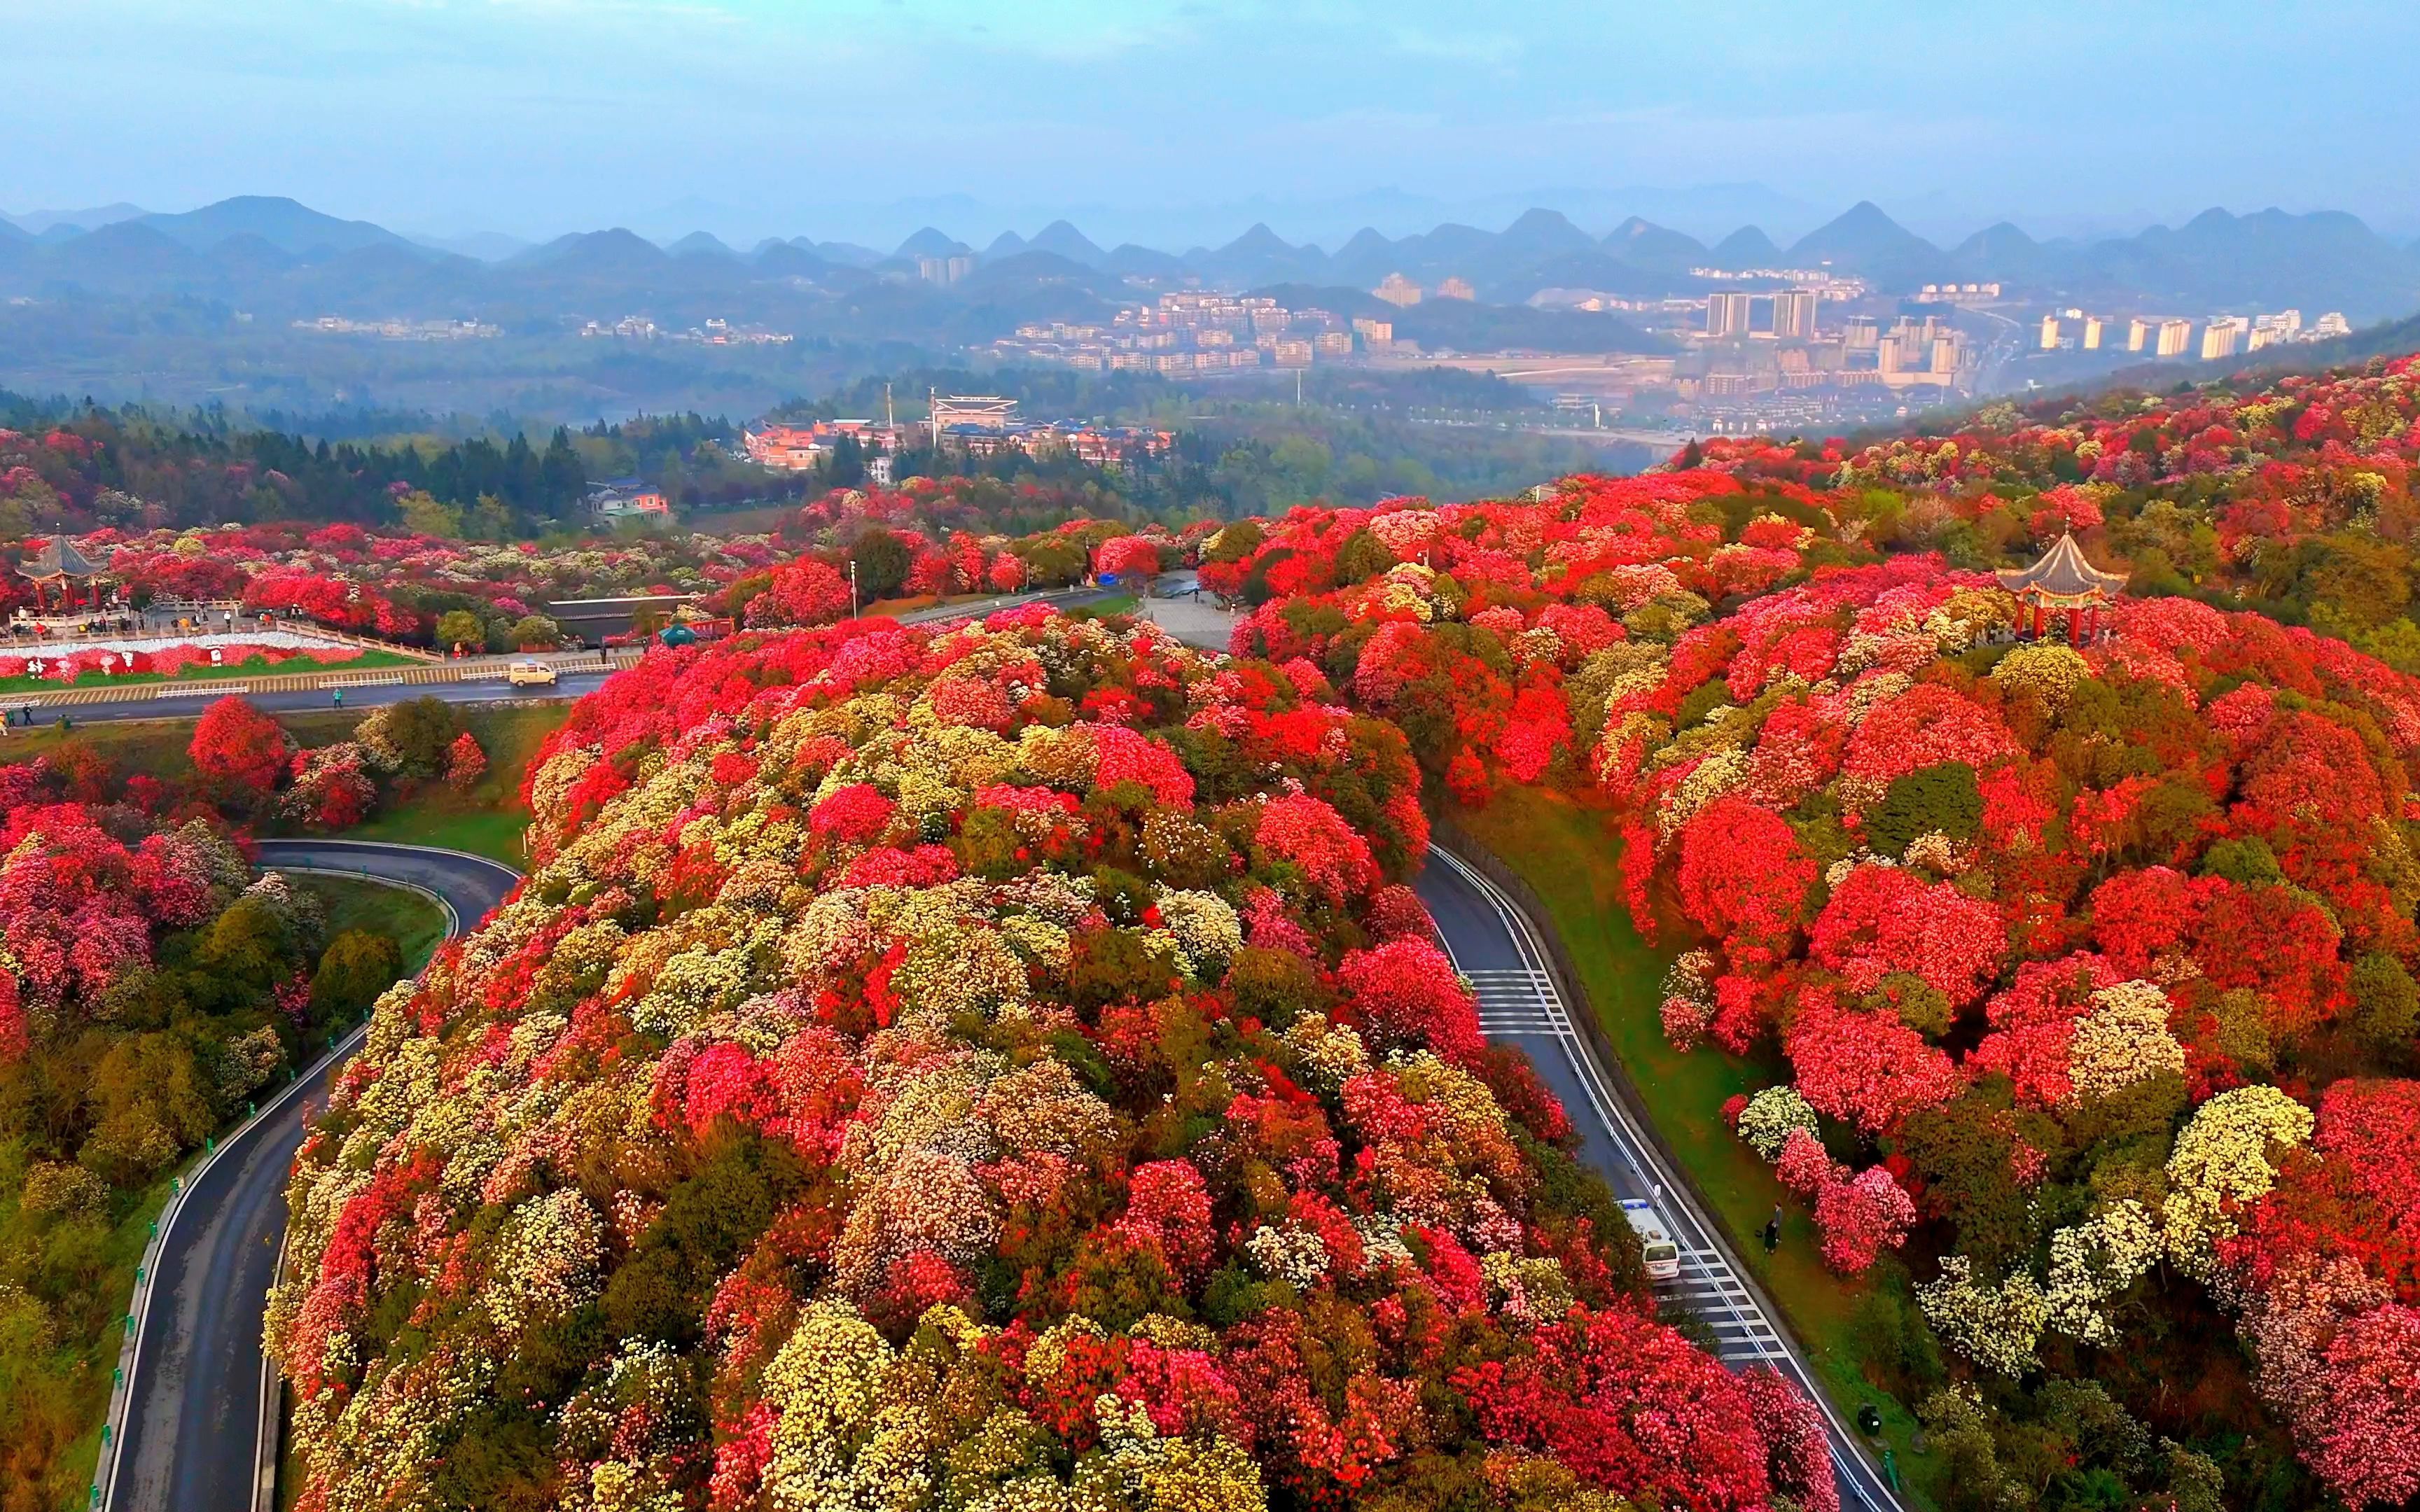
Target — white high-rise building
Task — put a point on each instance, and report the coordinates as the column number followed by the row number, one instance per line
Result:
column 1793, row 315
column 2224, row 336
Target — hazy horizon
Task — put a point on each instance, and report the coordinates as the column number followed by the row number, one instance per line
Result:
column 1171, row 124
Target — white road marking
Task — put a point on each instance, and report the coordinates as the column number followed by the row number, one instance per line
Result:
column 1707, row 1287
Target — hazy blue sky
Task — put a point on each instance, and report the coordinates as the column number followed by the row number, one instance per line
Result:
column 1167, row 120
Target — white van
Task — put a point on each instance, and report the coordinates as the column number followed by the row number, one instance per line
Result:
column 1655, row 1246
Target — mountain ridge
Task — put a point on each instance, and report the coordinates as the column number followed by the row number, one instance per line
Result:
column 285, row 259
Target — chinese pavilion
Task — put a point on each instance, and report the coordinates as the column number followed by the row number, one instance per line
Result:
column 2063, row 582
column 62, row 576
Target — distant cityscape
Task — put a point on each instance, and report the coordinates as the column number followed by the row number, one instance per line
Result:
column 977, row 425
column 1793, row 347
column 714, row 332
column 2222, row 336
column 399, row 330
column 1194, row 331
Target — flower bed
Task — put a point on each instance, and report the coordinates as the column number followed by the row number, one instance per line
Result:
column 94, row 664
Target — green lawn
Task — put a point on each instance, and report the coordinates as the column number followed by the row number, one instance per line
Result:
column 416, row 925
column 1569, row 853
column 153, row 746
column 250, row 667
column 487, row 821
column 494, row 834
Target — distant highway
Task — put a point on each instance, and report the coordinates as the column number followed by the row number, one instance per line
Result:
column 189, row 704
column 182, row 705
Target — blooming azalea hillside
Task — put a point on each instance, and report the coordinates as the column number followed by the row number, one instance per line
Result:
column 2059, row 947
column 998, row 1068
column 2294, row 498
column 149, row 985
column 1477, row 627
column 431, row 589
column 397, row 584
column 2030, row 931
column 892, row 561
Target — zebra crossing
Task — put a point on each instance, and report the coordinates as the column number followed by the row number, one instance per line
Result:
column 1517, row 1000
column 1523, row 1001
column 1707, row 1290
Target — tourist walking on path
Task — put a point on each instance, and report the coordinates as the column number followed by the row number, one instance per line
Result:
column 1773, row 1230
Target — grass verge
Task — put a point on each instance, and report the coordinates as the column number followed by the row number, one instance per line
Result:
column 1569, row 854
column 416, row 925
column 485, row 821
column 488, row 819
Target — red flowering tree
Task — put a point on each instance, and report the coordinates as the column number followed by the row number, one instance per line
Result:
column 1744, row 879
column 238, row 747
column 801, row 593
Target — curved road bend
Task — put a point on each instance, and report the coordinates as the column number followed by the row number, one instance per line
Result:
column 193, row 1414
column 193, row 1407
column 1500, row 950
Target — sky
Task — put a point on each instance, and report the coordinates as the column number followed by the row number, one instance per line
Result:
column 1172, row 122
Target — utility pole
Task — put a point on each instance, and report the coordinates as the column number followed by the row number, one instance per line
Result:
column 1297, row 387
column 852, row 588
column 890, row 421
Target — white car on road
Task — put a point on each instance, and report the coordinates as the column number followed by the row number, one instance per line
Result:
column 1655, row 1246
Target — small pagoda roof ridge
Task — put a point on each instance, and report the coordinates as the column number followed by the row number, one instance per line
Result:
column 2063, row 573
column 60, row 559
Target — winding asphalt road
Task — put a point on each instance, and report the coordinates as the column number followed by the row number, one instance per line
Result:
column 193, row 1433
column 1502, row 952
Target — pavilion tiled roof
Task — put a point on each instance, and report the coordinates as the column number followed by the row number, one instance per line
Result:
column 60, row 559
column 2063, row 573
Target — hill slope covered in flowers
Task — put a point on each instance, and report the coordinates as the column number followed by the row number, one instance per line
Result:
column 150, row 986
column 993, row 1070
column 2292, row 497
column 2083, row 980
